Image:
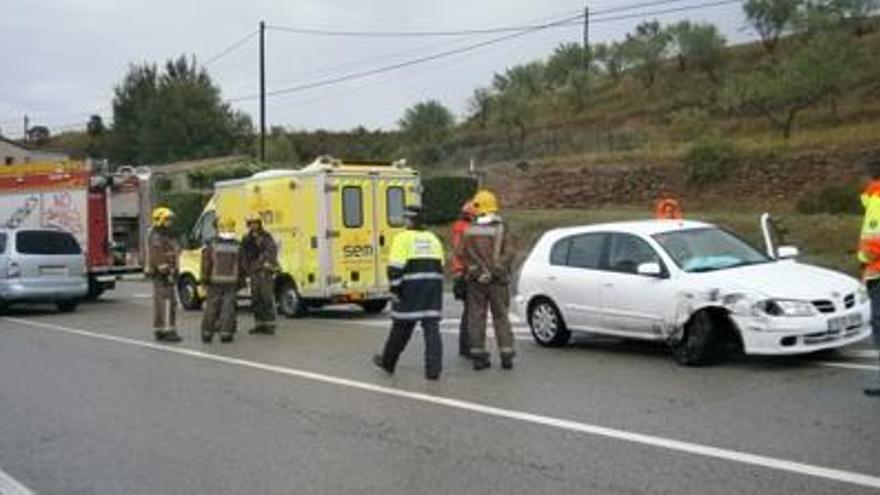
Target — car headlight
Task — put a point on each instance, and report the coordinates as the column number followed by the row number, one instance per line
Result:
column 863, row 294
column 786, row 307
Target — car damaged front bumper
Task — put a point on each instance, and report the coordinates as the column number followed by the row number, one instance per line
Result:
column 769, row 335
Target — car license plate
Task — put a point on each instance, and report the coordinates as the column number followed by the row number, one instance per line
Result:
column 841, row 323
column 53, row 271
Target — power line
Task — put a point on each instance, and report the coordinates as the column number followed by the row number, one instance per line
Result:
column 226, row 51
column 665, row 11
column 406, row 34
column 231, row 48
column 408, row 63
column 452, row 32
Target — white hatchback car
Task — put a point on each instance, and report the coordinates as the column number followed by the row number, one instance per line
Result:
column 693, row 285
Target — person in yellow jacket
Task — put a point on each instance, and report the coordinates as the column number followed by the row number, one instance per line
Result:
column 869, row 252
column 415, row 274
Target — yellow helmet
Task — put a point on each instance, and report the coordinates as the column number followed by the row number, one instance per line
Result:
column 253, row 217
column 161, row 216
column 226, row 225
column 485, row 202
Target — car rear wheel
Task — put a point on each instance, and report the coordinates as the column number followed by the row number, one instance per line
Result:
column 188, row 293
column 290, row 304
column 548, row 328
column 67, row 306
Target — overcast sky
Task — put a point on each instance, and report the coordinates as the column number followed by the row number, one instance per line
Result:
column 62, row 58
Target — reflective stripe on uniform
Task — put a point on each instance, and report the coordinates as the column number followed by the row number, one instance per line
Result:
column 422, row 276
column 416, row 315
column 476, row 229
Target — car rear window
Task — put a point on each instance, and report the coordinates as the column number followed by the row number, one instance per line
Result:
column 586, row 251
column 46, row 242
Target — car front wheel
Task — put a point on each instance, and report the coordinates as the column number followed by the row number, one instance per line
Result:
column 548, row 328
column 699, row 344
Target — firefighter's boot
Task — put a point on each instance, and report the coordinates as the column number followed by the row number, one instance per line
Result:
column 379, row 361
column 207, row 337
column 227, row 338
column 507, row 360
column 169, row 336
column 481, row 361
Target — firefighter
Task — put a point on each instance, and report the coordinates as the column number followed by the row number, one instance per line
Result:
column 259, row 261
column 459, row 284
column 220, row 275
column 487, row 261
column 162, row 268
column 415, row 273
column 869, row 253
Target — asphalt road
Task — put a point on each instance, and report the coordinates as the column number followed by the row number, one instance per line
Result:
column 89, row 404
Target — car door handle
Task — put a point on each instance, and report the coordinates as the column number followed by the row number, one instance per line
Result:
column 551, row 278
column 608, row 285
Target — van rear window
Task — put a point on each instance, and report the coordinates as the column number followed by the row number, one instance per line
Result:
column 395, row 206
column 46, row 242
column 352, row 207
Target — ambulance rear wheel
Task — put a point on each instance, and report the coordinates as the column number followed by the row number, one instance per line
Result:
column 188, row 292
column 374, row 307
column 290, row 304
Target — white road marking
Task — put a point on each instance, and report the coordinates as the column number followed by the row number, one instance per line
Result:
column 141, row 296
column 11, row 486
column 736, row 456
column 861, row 353
column 850, row 366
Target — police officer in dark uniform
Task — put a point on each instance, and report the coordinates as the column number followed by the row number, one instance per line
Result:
column 415, row 272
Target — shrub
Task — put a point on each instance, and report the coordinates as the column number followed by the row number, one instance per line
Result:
column 834, row 199
column 709, row 161
column 187, row 206
column 442, row 197
column 689, row 123
column 205, row 178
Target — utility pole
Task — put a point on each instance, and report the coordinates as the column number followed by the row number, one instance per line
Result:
column 586, row 57
column 27, row 125
column 262, row 91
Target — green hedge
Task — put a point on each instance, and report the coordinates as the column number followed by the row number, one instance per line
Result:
column 187, row 206
column 442, row 197
column 206, row 177
column 835, row 199
column 710, row 160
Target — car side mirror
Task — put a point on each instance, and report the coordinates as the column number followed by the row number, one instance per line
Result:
column 787, row 252
column 652, row 269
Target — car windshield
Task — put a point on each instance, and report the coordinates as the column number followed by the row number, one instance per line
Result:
column 708, row 249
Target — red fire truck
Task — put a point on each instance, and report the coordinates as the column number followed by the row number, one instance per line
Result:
column 108, row 213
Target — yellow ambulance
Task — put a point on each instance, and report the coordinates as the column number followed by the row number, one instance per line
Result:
column 333, row 222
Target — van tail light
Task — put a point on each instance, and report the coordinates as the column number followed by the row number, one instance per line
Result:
column 13, row 270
